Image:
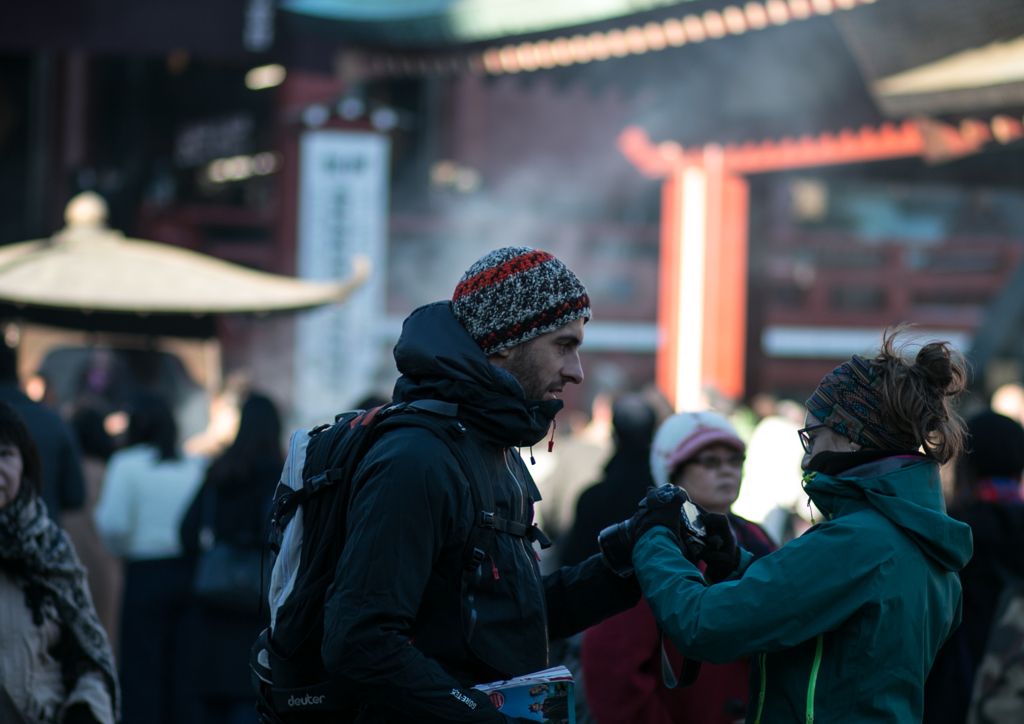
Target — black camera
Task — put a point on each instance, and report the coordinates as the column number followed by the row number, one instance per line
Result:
column 616, row 541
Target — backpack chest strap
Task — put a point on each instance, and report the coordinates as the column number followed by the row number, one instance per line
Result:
column 511, row 527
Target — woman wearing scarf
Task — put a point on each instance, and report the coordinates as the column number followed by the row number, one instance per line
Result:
column 55, row 661
column 844, row 622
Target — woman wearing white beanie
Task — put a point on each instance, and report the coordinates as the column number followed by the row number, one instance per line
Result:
column 701, row 452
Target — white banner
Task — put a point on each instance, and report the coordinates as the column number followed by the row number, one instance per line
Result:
column 343, row 211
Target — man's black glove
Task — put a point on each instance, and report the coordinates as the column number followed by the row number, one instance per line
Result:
column 660, row 507
column 721, row 555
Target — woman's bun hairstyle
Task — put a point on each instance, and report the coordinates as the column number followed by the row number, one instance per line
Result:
column 934, row 365
column 919, row 395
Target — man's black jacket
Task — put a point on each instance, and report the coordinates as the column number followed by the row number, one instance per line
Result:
column 412, row 510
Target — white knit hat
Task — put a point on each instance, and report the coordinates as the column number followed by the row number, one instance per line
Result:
column 684, row 435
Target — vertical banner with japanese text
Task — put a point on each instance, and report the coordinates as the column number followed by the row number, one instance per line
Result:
column 343, row 211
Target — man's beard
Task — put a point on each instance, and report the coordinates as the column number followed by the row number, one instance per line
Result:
column 523, row 367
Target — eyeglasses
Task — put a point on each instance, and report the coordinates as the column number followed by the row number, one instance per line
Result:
column 713, row 462
column 805, row 439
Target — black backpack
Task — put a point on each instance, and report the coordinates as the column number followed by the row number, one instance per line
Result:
column 287, row 669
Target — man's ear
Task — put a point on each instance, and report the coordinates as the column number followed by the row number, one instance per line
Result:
column 500, row 356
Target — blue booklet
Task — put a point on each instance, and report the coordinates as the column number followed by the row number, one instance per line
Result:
column 545, row 696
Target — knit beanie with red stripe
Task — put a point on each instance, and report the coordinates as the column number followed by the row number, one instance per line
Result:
column 515, row 294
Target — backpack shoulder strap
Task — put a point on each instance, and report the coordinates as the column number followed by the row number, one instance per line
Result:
column 336, row 444
column 469, row 459
column 481, row 534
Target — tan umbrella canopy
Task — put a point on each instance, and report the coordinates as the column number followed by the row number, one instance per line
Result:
column 89, row 267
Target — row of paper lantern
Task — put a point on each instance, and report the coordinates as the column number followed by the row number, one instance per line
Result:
column 616, row 43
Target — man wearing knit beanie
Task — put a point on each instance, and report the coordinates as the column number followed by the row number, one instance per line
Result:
column 438, row 588
column 516, row 294
column 512, row 302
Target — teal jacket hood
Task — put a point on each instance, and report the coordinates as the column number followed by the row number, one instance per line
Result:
column 908, row 491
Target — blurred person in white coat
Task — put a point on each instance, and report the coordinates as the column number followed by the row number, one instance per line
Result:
column 147, row 489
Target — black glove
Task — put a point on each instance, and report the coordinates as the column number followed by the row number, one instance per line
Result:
column 79, row 714
column 721, row 555
column 660, row 507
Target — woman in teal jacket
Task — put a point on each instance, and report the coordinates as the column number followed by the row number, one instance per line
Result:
column 845, row 621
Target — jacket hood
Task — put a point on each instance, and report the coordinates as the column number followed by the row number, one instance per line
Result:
column 908, row 491
column 439, row 360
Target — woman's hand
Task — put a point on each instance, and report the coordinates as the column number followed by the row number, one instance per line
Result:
column 661, row 507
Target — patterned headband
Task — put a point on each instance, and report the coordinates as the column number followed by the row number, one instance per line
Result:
column 848, row 402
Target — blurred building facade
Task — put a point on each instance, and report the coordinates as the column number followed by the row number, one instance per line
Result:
column 513, row 140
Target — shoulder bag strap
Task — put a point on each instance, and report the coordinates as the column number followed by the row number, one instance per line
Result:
column 207, row 524
column 688, row 674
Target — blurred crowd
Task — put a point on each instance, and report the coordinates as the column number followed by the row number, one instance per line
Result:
column 140, row 506
column 130, row 636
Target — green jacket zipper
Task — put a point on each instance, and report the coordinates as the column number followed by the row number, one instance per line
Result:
column 763, row 666
column 763, row 661
column 814, row 678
